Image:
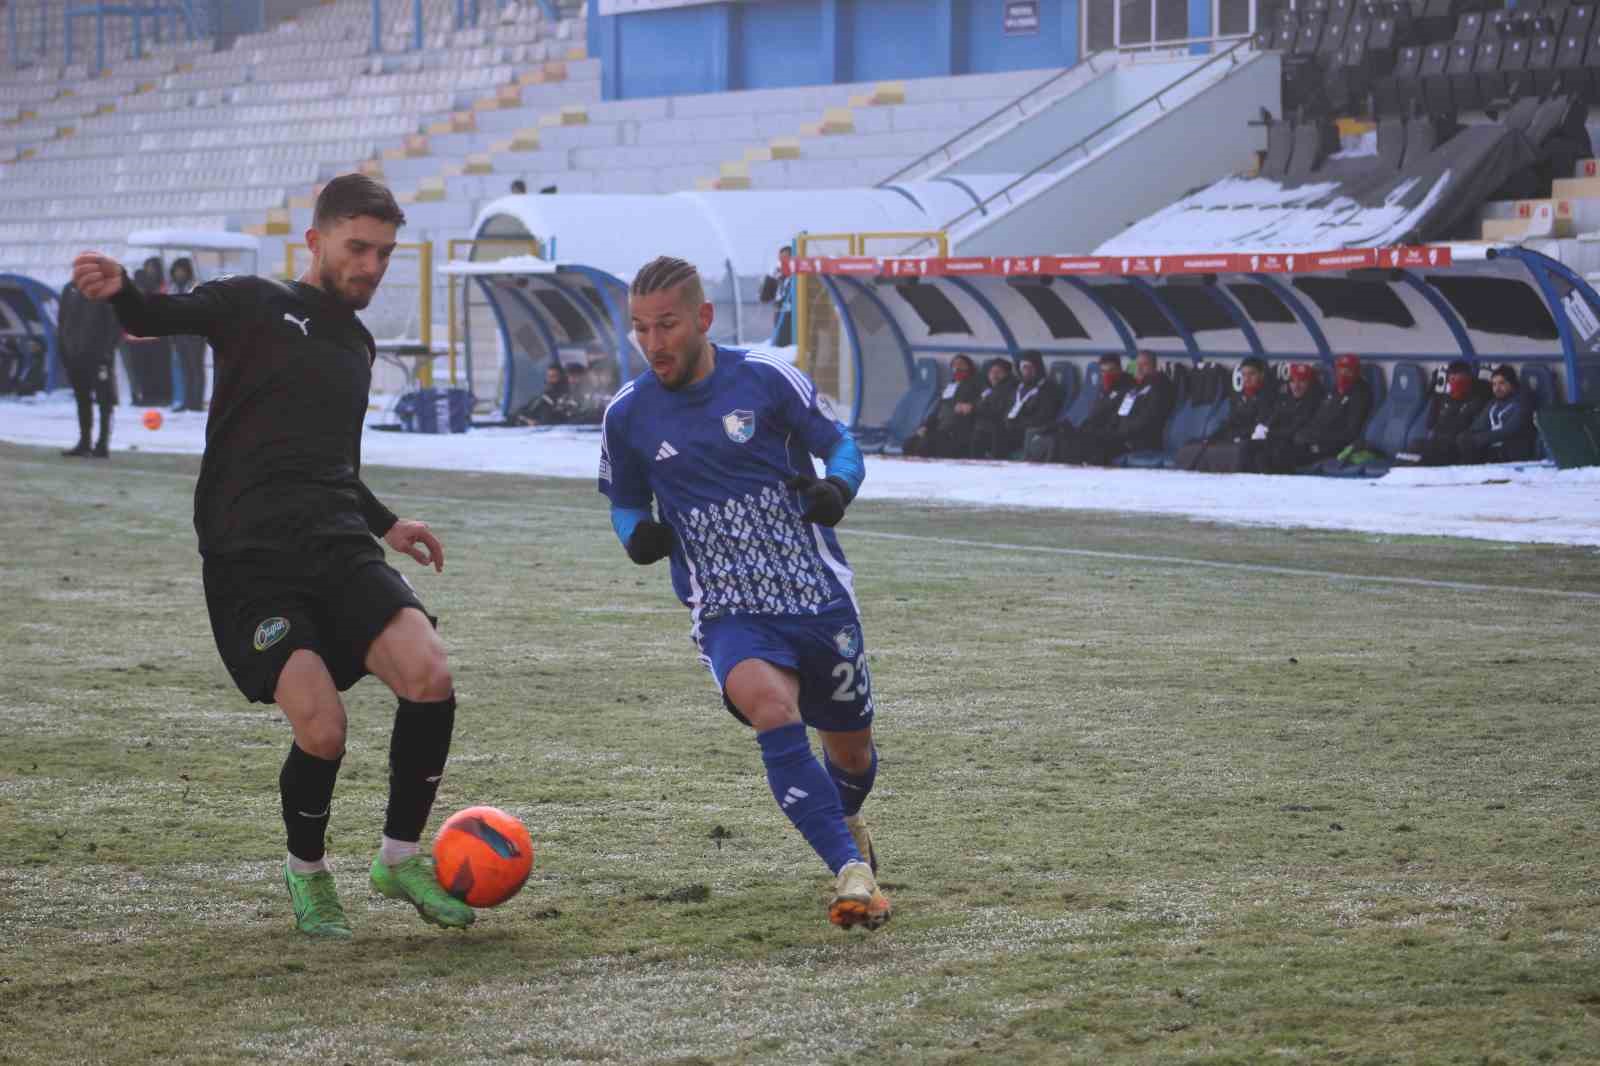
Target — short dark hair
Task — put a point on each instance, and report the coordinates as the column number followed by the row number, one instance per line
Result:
column 1255, row 363
column 1111, row 357
column 355, row 196
column 1507, row 371
column 665, row 272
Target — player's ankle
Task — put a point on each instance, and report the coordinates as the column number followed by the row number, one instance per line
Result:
column 393, row 852
column 304, row 868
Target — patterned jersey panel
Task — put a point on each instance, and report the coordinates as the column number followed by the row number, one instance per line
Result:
column 715, row 457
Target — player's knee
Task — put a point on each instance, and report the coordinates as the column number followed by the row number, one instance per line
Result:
column 770, row 712
column 426, row 678
column 851, row 758
column 322, row 736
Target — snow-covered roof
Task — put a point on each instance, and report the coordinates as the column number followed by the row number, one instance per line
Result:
column 194, row 240
column 516, row 264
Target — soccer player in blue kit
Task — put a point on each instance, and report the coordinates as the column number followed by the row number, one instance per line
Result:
column 721, row 440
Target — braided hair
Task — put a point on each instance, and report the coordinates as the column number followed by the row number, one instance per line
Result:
column 665, row 272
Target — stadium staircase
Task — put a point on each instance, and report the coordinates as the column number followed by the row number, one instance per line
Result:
column 1038, row 163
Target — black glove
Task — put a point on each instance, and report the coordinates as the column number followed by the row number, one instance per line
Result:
column 824, row 500
column 650, row 541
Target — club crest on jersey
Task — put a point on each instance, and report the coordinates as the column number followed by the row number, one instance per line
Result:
column 848, row 641
column 740, row 426
column 270, row 632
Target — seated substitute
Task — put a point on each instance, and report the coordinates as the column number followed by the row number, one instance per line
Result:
column 1035, row 406
column 1068, row 441
column 1235, row 445
column 1503, row 431
column 555, row 406
column 993, row 405
column 721, row 442
column 1450, row 414
column 947, row 431
column 1293, row 412
column 1339, row 420
column 1136, row 424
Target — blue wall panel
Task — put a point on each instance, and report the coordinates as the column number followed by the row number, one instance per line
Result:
column 672, row 52
column 889, row 39
column 778, row 44
column 983, row 47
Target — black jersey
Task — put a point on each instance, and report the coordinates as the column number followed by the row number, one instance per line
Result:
column 283, row 438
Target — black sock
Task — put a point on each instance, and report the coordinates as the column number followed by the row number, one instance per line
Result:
column 418, row 748
column 306, row 785
column 105, row 426
column 85, row 420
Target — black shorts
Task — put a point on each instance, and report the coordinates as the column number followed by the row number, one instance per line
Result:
column 335, row 602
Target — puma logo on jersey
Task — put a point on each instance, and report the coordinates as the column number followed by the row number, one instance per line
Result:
column 303, row 323
column 666, row 451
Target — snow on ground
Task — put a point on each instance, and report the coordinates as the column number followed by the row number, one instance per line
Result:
column 1532, row 504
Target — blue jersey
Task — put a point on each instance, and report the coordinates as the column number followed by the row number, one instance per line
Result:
column 714, row 457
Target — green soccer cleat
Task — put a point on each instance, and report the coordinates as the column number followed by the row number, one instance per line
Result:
column 863, row 838
column 316, row 904
column 414, row 882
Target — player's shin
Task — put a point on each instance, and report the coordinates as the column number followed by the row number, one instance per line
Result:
column 418, row 749
column 807, row 794
column 853, row 788
column 306, row 786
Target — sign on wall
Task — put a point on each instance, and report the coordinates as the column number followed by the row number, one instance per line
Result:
column 1021, row 17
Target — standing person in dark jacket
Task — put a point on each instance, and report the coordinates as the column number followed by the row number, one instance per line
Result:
column 1093, row 440
column 947, row 431
column 302, row 601
column 1227, row 450
column 1503, row 431
column 1035, row 405
column 87, row 334
column 189, row 351
column 149, row 359
column 1450, row 414
column 1340, row 419
column 993, row 406
column 1292, row 413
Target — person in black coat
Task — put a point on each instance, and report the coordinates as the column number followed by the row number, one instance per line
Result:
column 1503, row 431
column 87, row 334
column 947, row 431
column 149, row 359
column 1096, row 438
column 1228, row 449
column 555, row 406
column 989, row 416
column 1294, row 411
column 1035, row 405
column 1341, row 418
column 189, row 352
column 1450, row 414
column 1142, row 421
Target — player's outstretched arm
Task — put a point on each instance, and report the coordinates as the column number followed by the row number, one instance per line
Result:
column 209, row 310
column 644, row 539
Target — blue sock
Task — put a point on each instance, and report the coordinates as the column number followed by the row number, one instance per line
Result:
column 853, row 788
column 807, row 794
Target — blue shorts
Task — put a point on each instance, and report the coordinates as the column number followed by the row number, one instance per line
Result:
column 828, row 651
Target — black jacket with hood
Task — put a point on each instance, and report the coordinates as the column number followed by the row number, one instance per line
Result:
column 1034, row 406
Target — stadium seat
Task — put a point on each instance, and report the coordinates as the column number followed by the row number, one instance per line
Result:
column 1280, row 149
column 1314, row 141
column 1463, row 80
column 1395, row 420
column 1542, row 62
column 1065, row 374
column 1436, row 96
column 1486, row 68
column 909, row 413
column 1588, row 383
column 1200, row 402
column 1391, row 142
column 1078, row 408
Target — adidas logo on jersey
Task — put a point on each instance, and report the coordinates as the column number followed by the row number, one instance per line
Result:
column 793, row 796
column 666, row 451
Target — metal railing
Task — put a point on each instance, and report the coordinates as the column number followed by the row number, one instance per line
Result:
column 1092, row 63
column 1083, row 145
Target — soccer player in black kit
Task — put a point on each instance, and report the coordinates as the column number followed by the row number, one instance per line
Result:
column 302, row 603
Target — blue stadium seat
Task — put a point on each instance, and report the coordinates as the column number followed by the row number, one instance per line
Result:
column 1393, row 421
column 1588, row 389
column 926, row 378
column 1077, row 409
column 1200, row 402
column 1065, row 375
